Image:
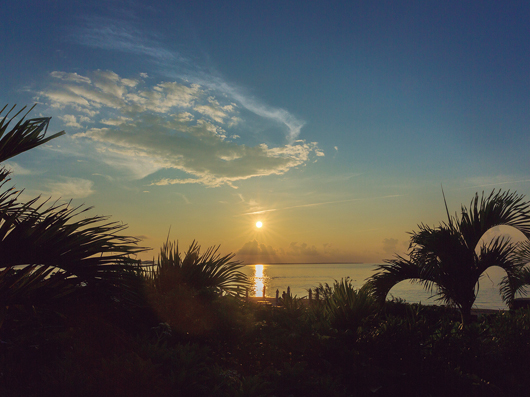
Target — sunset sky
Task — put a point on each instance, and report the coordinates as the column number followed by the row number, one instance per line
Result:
column 333, row 123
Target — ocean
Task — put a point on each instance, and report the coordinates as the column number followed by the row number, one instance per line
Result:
column 301, row 277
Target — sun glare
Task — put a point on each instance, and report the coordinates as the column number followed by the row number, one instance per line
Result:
column 259, row 224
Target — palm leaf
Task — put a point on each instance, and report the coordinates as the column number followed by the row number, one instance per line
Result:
column 516, row 281
column 25, row 135
column 31, row 284
column 91, row 249
column 499, row 208
column 46, row 251
column 392, row 273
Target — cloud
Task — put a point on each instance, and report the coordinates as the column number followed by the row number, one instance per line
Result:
column 214, row 111
column 107, row 89
column 125, row 36
column 320, row 203
column 74, row 121
column 112, row 34
column 70, row 77
column 17, row 169
column 69, row 188
column 493, row 181
column 118, row 121
column 390, row 246
column 184, row 117
column 172, row 125
column 256, row 252
column 253, row 251
column 186, row 200
column 302, row 250
column 107, row 177
column 278, row 115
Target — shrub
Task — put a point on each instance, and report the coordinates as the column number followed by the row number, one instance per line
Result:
column 343, row 307
column 185, row 290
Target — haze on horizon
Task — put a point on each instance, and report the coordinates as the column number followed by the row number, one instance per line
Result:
column 335, row 125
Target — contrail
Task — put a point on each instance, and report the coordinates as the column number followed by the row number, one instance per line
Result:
column 495, row 184
column 322, row 203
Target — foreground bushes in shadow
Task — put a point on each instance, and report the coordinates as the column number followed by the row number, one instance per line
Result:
column 255, row 350
column 342, row 307
column 184, row 289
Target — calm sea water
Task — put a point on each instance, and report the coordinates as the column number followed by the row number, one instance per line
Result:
column 301, row 277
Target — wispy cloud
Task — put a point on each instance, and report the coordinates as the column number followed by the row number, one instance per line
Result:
column 493, row 181
column 116, row 35
column 17, row 169
column 278, row 115
column 70, row 188
column 186, row 200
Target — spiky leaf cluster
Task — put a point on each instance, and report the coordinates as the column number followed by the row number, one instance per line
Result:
column 195, row 270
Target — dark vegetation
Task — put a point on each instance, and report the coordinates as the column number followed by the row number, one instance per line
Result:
column 80, row 317
column 452, row 257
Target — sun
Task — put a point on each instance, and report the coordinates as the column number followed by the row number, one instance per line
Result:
column 259, row 224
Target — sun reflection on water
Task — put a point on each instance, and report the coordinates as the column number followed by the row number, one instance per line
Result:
column 259, row 280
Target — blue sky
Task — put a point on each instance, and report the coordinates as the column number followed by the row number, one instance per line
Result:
column 334, row 123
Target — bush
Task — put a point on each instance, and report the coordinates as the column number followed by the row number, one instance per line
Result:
column 186, row 290
column 342, row 307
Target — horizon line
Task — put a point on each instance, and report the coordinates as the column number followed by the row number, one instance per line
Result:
column 305, row 263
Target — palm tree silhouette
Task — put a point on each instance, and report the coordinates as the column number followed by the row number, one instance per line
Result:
column 449, row 259
column 45, row 253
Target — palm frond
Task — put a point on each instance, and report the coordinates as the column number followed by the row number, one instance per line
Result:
column 91, row 249
column 31, row 284
column 499, row 208
column 25, row 135
column 523, row 253
column 46, row 251
column 519, row 278
column 392, row 273
column 501, row 252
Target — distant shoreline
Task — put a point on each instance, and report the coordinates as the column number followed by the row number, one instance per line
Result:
column 474, row 311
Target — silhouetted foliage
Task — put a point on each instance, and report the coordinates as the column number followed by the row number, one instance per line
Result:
column 449, row 259
column 47, row 250
column 204, row 339
column 184, row 288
